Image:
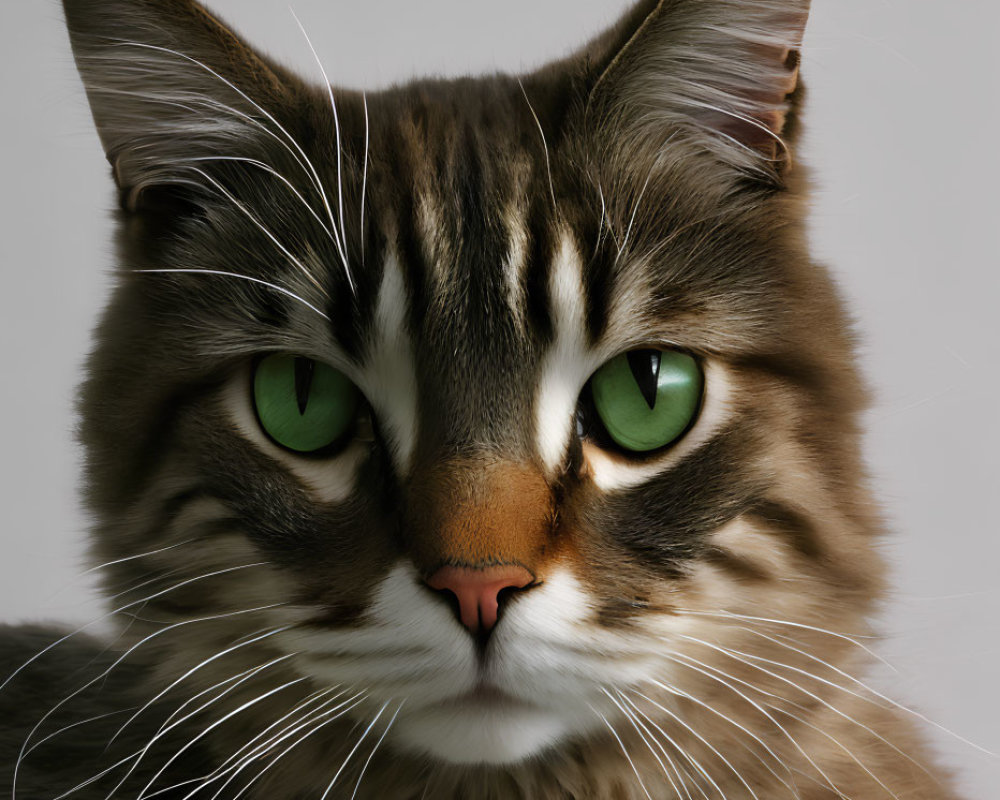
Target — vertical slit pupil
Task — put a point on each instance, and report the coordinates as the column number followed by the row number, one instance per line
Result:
column 645, row 366
column 304, row 369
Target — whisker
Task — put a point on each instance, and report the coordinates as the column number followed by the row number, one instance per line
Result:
column 850, row 753
column 108, row 671
column 624, row 750
column 166, row 728
column 322, row 714
column 304, row 716
column 866, row 687
column 295, row 744
column 700, row 738
column 107, row 770
column 607, row 218
column 77, row 724
column 223, row 273
column 600, row 224
column 134, row 587
column 192, row 104
column 206, row 780
column 699, row 769
column 107, row 564
column 274, row 173
column 336, row 125
column 260, row 225
column 213, row 726
column 732, row 722
column 635, row 724
column 635, row 210
column 820, row 661
column 364, row 178
column 233, row 679
column 91, row 779
column 110, row 614
column 265, row 634
column 354, row 750
column 681, row 752
column 850, row 638
column 371, row 755
column 91, row 570
column 291, row 140
column 545, row 145
column 707, row 671
column 742, row 658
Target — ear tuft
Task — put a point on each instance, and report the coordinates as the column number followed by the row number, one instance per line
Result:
column 721, row 71
column 169, row 85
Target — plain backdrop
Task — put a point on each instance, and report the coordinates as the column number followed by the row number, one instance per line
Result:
column 902, row 127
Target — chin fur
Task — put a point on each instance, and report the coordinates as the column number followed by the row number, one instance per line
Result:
column 479, row 736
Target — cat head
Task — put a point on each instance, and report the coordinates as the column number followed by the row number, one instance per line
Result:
column 505, row 408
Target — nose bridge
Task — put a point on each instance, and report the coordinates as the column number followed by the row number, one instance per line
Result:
column 478, row 512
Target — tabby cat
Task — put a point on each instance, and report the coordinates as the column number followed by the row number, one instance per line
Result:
column 480, row 438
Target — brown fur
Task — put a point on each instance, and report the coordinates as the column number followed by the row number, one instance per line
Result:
column 716, row 605
column 468, row 513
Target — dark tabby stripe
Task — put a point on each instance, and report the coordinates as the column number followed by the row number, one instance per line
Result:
column 162, row 422
column 620, row 612
column 791, row 525
column 540, row 250
column 737, row 567
column 415, row 269
column 665, row 521
column 598, row 286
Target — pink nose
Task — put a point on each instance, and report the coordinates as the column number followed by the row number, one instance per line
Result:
column 478, row 591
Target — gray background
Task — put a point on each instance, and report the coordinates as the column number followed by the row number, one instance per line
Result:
column 902, row 136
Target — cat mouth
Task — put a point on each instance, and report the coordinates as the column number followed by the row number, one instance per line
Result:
column 486, row 697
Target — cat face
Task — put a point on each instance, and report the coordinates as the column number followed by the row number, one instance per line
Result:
column 365, row 418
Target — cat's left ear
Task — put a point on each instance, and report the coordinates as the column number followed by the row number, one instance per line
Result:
column 169, row 85
column 720, row 73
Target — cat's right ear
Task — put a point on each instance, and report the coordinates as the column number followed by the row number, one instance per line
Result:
column 170, row 85
column 721, row 75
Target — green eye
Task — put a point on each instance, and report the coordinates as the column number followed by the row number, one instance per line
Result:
column 302, row 404
column 647, row 398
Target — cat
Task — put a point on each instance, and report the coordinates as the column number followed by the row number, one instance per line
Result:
column 482, row 438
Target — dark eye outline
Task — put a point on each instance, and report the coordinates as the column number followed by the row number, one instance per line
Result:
column 592, row 428
column 362, row 415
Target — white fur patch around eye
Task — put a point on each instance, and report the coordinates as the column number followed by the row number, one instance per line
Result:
column 568, row 363
column 389, row 378
column 329, row 480
column 611, row 473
